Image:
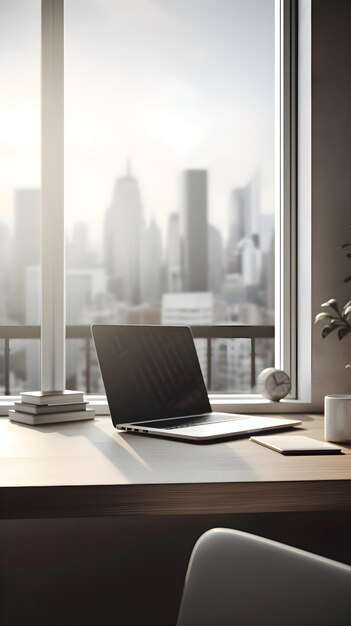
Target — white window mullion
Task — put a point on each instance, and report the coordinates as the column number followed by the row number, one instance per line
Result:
column 285, row 228
column 53, row 250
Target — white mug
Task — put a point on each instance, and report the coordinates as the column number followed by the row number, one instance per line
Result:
column 337, row 418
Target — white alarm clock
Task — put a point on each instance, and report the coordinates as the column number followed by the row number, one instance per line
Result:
column 273, row 384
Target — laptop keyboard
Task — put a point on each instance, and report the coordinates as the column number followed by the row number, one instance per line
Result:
column 195, row 421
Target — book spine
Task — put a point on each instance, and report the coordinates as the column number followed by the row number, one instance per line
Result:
column 45, row 400
column 51, row 418
column 37, row 409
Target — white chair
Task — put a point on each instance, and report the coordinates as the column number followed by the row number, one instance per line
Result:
column 235, row 578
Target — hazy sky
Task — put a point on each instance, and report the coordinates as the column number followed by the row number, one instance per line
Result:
column 171, row 84
column 19, row 99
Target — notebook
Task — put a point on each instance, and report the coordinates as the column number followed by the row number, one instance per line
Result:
column 154, row 386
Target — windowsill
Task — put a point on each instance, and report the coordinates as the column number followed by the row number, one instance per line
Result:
column 256, row 404
column 246, row 403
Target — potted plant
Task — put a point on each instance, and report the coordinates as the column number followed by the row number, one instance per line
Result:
column 335, row 317
column 337, row 408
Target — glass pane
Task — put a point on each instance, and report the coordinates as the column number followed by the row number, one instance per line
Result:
column 20, row 219
column 236, row 363
column 169, row 163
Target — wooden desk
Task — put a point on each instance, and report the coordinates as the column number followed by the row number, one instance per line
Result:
column 129, row 509
column 88, row 469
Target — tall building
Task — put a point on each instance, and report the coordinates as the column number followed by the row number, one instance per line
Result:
column 268, row 279
column 79, row 254
column 82, row 287
column 26, row 246
column 244, row 220
column 251, row 261
column 266, row 230
column 239, row 208
column 187, row 308
column 152, row 264
column 123, row 231
column 195, row 231
column 234, row 366
column 234, row 289
column 5, row 249
column 173, row 255
column 215, row 260
column 255, row 189
column 193, row 309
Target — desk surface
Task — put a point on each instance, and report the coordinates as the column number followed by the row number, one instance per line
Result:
column 90, row 469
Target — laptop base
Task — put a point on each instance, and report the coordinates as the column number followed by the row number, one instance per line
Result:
column 218, row 426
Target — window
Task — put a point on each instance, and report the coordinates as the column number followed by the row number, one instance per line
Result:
column 20, row 217
column 171, row 208
column 169, row 174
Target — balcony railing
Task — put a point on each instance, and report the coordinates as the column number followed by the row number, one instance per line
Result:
column 210, row 333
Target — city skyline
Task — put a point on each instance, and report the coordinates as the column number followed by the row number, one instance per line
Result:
column 193, row 258
column 196, row 279
column 248, row 189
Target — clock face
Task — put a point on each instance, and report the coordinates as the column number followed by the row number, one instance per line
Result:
column 274, row 384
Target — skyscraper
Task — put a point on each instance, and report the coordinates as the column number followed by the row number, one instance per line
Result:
column 173, row 255
column 251, row 261
column 215, row 259
column 266, row 231
column 152, row 264
column 240, row 218
column 195, row 230
column 82, row 286
column 239, row 207
column 5, row 248
column 190, row 308
column 78, row 250
column 122, row 240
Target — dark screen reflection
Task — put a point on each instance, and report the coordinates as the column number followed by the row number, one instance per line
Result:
column 150, row 372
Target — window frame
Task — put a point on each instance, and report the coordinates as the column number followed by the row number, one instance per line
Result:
column 53, row 327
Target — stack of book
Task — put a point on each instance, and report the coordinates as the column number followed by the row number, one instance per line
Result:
column 48, row 407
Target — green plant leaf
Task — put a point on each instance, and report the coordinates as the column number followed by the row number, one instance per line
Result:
column 338, row 322
column 347, row 280
column 332, row 304
column 343, row 331
column 323, row 316
column 345, row 245
column 327, row 330
column 346, row 310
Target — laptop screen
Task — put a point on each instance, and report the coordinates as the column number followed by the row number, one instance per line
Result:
column 150, row 372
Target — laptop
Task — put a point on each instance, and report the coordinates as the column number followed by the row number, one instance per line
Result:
column 154, row 386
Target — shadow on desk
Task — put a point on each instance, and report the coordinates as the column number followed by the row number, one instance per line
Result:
column 141, row 459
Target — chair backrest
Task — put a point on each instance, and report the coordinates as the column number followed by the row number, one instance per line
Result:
column 235, row 578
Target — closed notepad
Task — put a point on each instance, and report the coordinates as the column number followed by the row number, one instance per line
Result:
column 296, row 444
